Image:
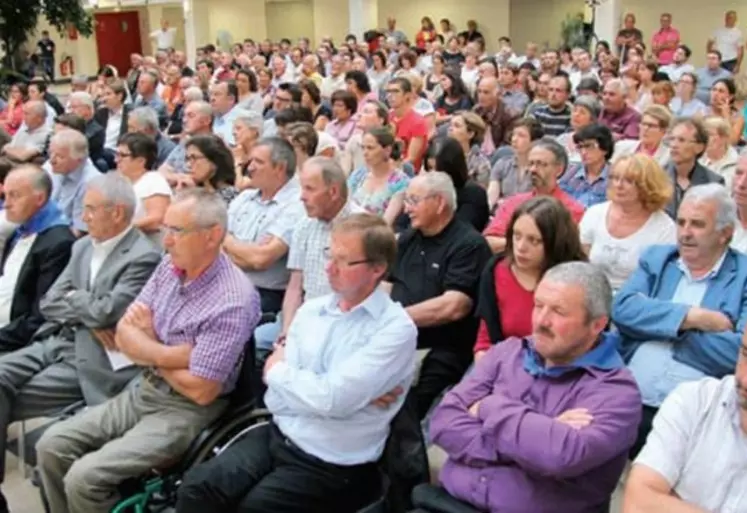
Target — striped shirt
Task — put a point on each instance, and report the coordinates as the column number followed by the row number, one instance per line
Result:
column 216, row 313
column 554, row 123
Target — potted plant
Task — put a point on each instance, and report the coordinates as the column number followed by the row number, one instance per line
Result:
column 572, row 32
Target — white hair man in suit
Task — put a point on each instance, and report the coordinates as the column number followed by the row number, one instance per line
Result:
column 69, row 358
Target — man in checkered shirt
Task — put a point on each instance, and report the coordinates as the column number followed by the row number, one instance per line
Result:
column 187, row 328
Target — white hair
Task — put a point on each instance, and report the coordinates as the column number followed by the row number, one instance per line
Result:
column 74, row 141
column 597, row 289
column 82, row 97
column 38, row 107
column 618, row 84
column 441, row 184
column 726, row 214
column 145, row 118
column 193, row 94
column 117, row 190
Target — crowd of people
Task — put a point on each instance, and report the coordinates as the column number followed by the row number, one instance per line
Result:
column 542, row 254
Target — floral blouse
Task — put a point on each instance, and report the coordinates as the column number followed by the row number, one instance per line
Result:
column 376, row 202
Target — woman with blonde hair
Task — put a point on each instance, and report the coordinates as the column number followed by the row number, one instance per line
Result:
column 468, row 129
column 720, row 156
column 662, row 93
column 615, row 233
column 654, row 126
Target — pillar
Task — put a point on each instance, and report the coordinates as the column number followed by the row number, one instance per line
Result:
column 190, row 37
column 607, row 17
column 363, row 16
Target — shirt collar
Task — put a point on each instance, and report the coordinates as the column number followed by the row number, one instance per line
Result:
column 108, row 245
column 581, row 173
column 288, row 191
column 75, row 176
column 604, row 356
column 206, row 276
column 710, row 274
column 375, row 304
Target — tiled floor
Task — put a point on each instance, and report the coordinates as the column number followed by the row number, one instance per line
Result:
column 22, row 496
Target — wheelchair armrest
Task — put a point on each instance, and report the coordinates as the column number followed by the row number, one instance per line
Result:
column 267, row 317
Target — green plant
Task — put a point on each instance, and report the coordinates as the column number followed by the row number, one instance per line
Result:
column 572, row 31
column 19, row 18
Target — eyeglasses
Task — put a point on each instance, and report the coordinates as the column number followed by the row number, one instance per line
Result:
column 339, row 262
column 179, row 231
column 652, row 126
column 393, row 91
column 194, row 158
column 122, row 154
column 679, row 140
column 539, row 164
column 587, row 145
column 92, row 209
column 414, row 201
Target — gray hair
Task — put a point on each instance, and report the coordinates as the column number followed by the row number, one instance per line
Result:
column 209, row 208
column 332, row 173
column 281, row 152
column 82, row 97
column 589, row 103
column 38, row 107
column 194, row 94
column 619, row 85
column 441, row 184
column 726, row 214
column 117, row 190
column 39, row 179
column 597, row 289
column 202, row 107
column 79, row 80
column 250, row 119
column 74, row 141
column 145, row 118
column 550, row 144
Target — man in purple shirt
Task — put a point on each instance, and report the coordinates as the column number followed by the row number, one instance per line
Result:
column 622, row 119
column 544, row 423
column 187, row 328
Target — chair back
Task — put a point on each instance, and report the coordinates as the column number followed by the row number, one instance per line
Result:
column 243, row 393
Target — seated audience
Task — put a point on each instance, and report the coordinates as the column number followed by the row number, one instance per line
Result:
column 410, row 127
column 616, row 232
column 468, row 129
column 585, row 112
column 136, row 154
column 191, row 94
column 33, row 256
column 261, row 220
column 739, row 193
column 11, row 116
column 113, row 117
column 662, row 93
column 439, row 261
column 685, row 104
column 188, row 327
column 510, row 174
column 198, row 120
column 223, row 99
column 682, row 311
column 143, row 120
column 586, row 182
column 342, row 126
column 688, row 140
column 547, row 162
column 622, row 119
column 29, row 141
column 555, row 115
column 700, row 425
column 82, row 104
column 494, row 113
column 723, row 94
column 304, row 139
column 541, row 234
column 247, row 130
column 719, row 156
column 550, row 416
column 68, row 359
column 373, row 114
column 342, row 352
column 147, row 96
column 655, row 122
column 71, row 169
column 211, row 166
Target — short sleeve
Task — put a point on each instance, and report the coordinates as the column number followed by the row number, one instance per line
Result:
column 355, row 179
column 419, row 127
column 148, row 292
column 399, row 182
column 297, row 251
column 465, row 267
column 499, row 225
column 589, row 223
column 152, row 184
column 496, row 174
column 283, row 225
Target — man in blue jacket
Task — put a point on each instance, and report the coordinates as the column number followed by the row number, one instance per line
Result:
column 682, row 312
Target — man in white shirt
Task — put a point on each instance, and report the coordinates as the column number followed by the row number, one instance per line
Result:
column 335, row 80
column 585, row 69
column 680, row 64
column 694, row 458
column 728, row 40
column 223, row 99
column 164, row 37
column 31, row 138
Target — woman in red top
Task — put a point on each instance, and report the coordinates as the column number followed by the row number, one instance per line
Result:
column 12, row 117
column 427, row 33
column 541, row 234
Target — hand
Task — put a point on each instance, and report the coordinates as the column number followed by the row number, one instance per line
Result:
column 577, row 418
column 706, row 320
column 106, row 337
column 386, row 400
column 183, row 181
column 474, row 410
column 239, row 155
column 140, row 316
column 277, row 356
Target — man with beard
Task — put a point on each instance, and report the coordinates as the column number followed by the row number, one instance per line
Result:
column 701, row 425
column 547, row 163
column 682, row 311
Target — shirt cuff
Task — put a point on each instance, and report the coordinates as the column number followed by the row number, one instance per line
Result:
column 276, row 374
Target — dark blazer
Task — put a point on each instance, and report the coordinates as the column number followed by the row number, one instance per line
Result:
column 47, row 258
column 487, row 300
column 96, row 135
column 54, row 102
column 102, row 118
column 700, row 175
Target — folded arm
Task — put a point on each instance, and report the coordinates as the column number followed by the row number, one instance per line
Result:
column 255, row 256
column 143, row 349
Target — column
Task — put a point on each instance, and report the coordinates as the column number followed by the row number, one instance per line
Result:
column 363, row 16
column 607, row 17
column 190, row 37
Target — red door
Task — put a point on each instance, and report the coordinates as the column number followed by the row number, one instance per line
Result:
column 117, row 36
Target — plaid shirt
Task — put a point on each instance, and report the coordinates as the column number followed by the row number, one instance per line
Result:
column 216, row 313
column 574, row 182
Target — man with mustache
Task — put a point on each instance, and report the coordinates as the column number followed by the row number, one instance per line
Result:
column 682, row 311
column 542, row 423
column 548, row 161
column 701, row 425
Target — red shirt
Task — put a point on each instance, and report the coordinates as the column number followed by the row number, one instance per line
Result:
column 411, row 126
column 670, row 35
column 515, row 304
column 499, row 225
column 423, row 37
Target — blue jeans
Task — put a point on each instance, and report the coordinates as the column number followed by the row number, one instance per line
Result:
column 266, row 334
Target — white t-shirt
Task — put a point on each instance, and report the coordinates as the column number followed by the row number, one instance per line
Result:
column 150, row 184
column 618, row 258
column 728, row 41
column 739, row 239
column 164, row 38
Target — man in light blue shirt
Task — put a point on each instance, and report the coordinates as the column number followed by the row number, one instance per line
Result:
column 71, row 171
column 343, row 352
column 709, row 74
column 223, row 99
column 682, row 312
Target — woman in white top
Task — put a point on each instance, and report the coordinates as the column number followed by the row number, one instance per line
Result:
column 373, row 114
column 616, row 232
column 720, row 156
column 135, row 157
column 585, row 112
column 653, row 127
column 249, row 97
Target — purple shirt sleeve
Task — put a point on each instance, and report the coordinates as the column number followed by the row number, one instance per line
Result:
column 148, row 292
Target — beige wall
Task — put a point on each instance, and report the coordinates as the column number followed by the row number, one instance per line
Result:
column 540, row 20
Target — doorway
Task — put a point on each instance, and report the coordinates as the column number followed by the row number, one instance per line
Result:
column 118, row 36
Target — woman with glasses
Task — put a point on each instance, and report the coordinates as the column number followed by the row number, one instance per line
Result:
column 654, row 126
column 615, row 232
column 587, row 182
column 723, row 93
column 720, row 156
column 211, row 166
column 586, row 110
column 541, row 234
column 685, row 104
column 135, row 157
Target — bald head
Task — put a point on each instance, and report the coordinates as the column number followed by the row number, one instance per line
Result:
column 27, row 189
column 487, row 92
column 34, row 114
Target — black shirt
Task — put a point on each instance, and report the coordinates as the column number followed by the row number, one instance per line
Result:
column 46, row 48
column 427, row 267
column 453, row 59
